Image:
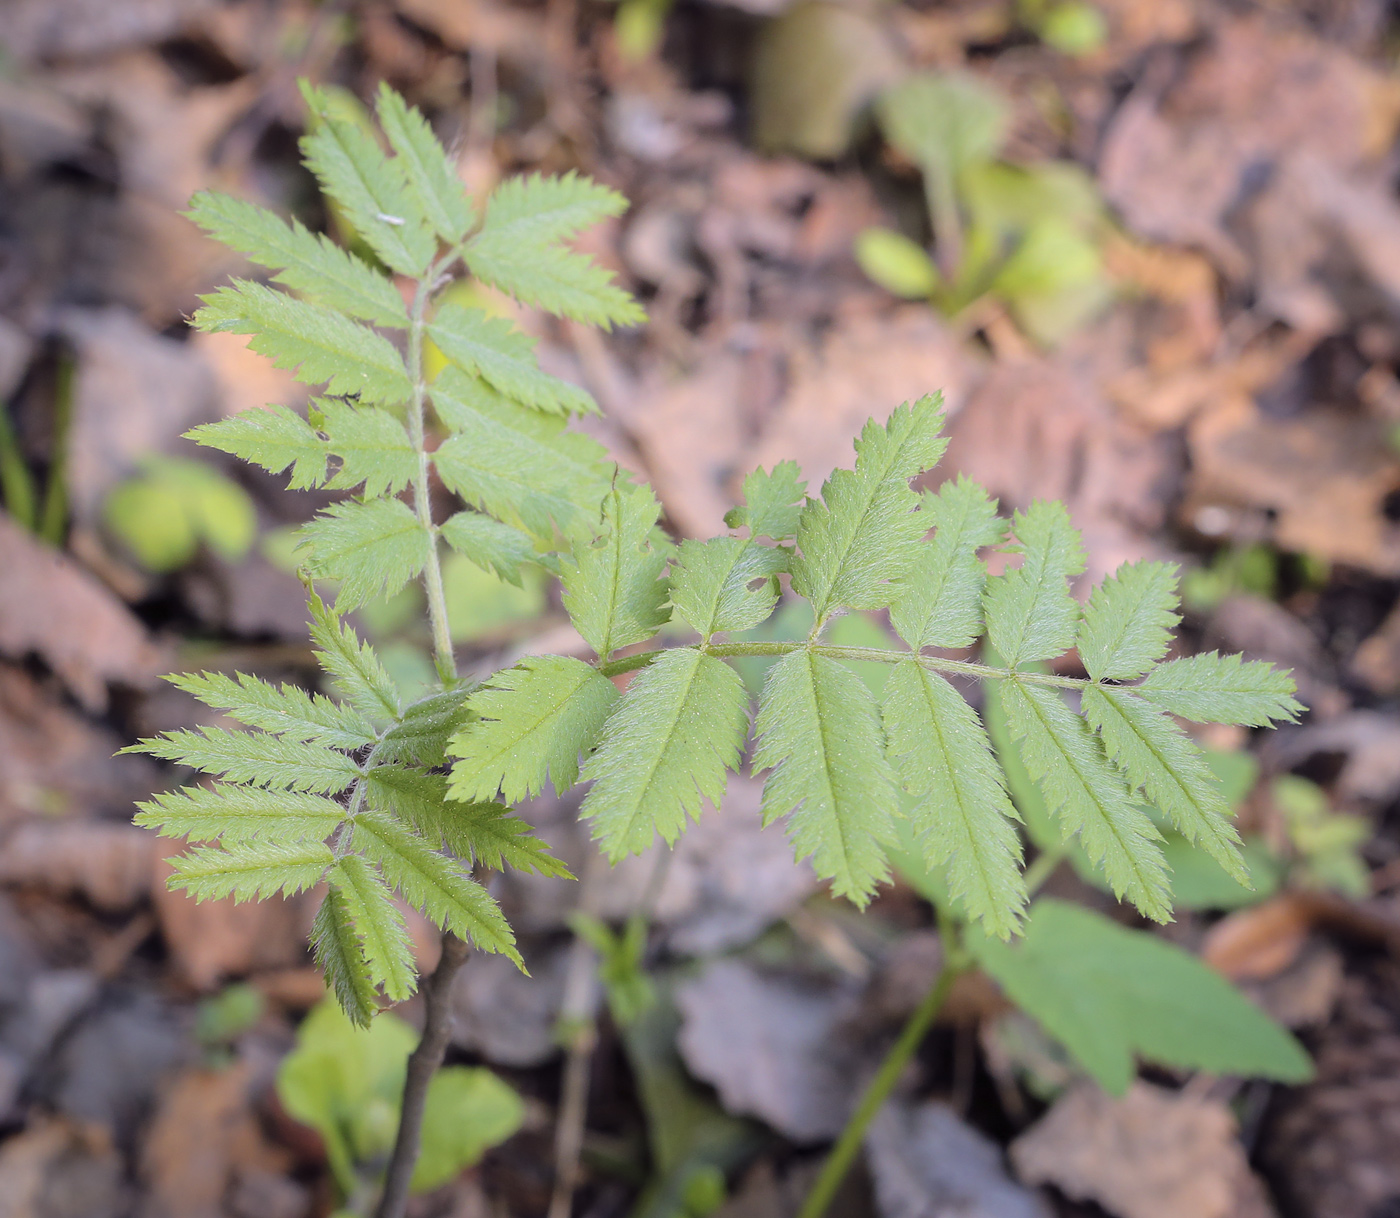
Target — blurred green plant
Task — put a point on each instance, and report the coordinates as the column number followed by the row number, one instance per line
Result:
column 163, row 515
column 346, row 1082
column 1327, row 843
column 1027, row 235
column 1072, row 26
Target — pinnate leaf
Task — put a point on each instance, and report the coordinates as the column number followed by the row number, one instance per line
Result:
column 710, row 583
column 1211, row 688
column 961, row 811
column 373, row 448
column 552, row 278
column 384, row 940
column 372, row 548
column 1128, row 621
column 340, row 956
column 1030, row 613
column 532, row 721
column 256, row 757
column 428, row 173
column 536, row 210
column 772, row 503
column 286, row 711
column 1087, row 796
column 274, row 438
column 495, row 837
column 316, row 344
column 356, row 669
column 250, row 870
column 236, row 813
column 818, row 728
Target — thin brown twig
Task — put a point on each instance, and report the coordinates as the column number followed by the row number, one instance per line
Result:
column 422, row 1064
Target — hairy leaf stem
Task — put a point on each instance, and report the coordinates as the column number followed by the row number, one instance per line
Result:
column 877, row 655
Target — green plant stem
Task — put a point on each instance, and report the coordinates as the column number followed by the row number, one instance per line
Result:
column 16, row 485
column 878, row 655
column 843, row 1154
column 1043, row 868
column 54, row 514
column 422, row 486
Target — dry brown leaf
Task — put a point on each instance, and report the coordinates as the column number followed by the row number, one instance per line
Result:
column 51, row 607
column 1152, row 1154
column 1377, row 661
column 1258, row 942
column 185, row 1161
column 58, row 1167
column 60, row 29
column 108, row 865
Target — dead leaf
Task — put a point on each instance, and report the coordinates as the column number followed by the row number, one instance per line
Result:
column 62, row 29
column 928, row 1163
column 1258, row 942
column 58, row 1169
column 185, row 1160
column 768, row 1045
column 108, row 865
column 1364, row 748
column 1377, row 661
column 52, row 608
column 1152, row 1154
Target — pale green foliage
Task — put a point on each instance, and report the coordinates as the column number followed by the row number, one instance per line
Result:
column 666, row 745
column 249, row 870
column 355, row 668
column 533, row 721
column 274, row 438
column 961, row 811
column 1211, row 688
column 1030, row 613
column 944, row 123
column 772, row 504
column 818, row 727
column 288, row 710
column 373, row 447
column 710, row 583
column 378, row 923
column 491, row 545
column 1128, row 621
column 236, row 813
column 860, row 536
column 371, row 548
column 612, row 588
column 425, row 166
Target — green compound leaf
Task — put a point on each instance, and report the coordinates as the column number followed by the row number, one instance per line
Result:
column 357, row 671
column 710, row 583
column 249, row 871
column 316, row 344
column 286, row 711
column 256, row 757
column 493, row 546
column 274, row 438
column 371, row 189
column 862, row 534
column 434, row 884
column 523, row 467
column 1158, row 757
column 1128, row 621
column 532, row 721
column 491, row 348
column 1030, row 613
column 677, row 730
column 552, row 278
column 384, row 941
column 372, row 548
column 468, row 1111
column 1109, row 993
column 430, row 177
column 415, row 796
column 495, row 837
column 612, row 588
column 373, row 448
column 340, row 956
column 773, row 503
column 1211, row 688
column 234, row 813
column 421, row 734
column 536, row 210
column 311, row 264
column 961, row 811
column 818, row 727
column 939, row 602
column 1087, row 796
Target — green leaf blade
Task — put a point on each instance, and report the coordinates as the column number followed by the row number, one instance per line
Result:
column 1030, row 613
column 552, row 278
column 288, row 711
column 340, row 955
column 493, row 546
column 710, row 584
column 772, row 504
column 1211, row 688
column 373, row 447
column 427, row 171
column 249, row 871
column 1127, row 623
column 274, row 438
column 353, row 665
column 256, row 757
column 372, row 548
column 665, row 749
column 235, row 813
column 420, row 736
column 379, row 924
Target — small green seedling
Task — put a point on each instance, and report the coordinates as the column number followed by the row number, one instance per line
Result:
column 1027, row 235
column 174, row 506
column 1075, row 27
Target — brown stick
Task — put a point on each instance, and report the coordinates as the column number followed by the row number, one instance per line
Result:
column 422, row 1064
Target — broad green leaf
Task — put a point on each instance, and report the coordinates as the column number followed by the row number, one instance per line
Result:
column 945, row 121
column 340, row 956
column 491, row 348
column 819, row 729
column 468, row 1111
column 1158, row 757
column 1128, row 621
column 939, row 600
column 536, row 210
column 772, row 503
column 422, row 732
column 249, row 871
column 373, row 448
column 288, row 711
column 523, row 467
column 236, row 813
column 311, row 264
column 316, row 344
column 356, row 669
column 1087, row 796
column 1199, row 882
column 1109, row 993
column 612, row 588
column 1030, row 613
column 274, row 438
column 430, row 176
column 256, row 757
column 493, row 546
column 965, row 820
column 1211, row 688
column 895, row 263
column 862, row 533
column 552, row 278
column 532, row 721
column 434, row 884
column 371, row 189
column 379, row 924
column 665, row 749
column 710, row 583
column 372, row 548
